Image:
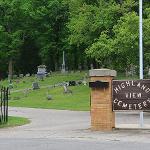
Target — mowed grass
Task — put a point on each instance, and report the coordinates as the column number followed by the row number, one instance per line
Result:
column 15, row 121
column 78, row 100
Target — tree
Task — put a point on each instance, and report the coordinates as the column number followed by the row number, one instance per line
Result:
column 10, row 32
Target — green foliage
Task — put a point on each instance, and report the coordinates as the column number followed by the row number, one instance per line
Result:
column 96, row 31
column 123, row 42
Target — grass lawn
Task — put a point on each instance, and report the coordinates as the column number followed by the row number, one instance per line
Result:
column 15, row 121
column 79, row 100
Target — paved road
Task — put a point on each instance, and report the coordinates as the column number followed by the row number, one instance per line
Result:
column 70, row 130
column 63, row 144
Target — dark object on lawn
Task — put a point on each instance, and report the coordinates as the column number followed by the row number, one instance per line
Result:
column 49, row 97
column 35, row 86
column 79, row 82
column 72, row 83
column 66, row 90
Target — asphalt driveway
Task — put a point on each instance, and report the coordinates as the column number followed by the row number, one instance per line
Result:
column 65, row 124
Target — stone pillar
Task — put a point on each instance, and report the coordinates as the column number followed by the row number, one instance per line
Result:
column 102, row 116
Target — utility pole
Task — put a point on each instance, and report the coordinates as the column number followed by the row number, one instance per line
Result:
column 141, row 50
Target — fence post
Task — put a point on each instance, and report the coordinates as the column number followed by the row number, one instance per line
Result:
column 3, row 105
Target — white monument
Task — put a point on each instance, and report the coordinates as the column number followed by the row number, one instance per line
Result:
column 63, row 70
column 41, row 71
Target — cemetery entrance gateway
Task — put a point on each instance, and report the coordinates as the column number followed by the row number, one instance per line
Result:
column 108, row 95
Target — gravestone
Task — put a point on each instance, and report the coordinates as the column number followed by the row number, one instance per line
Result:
column 15, row 76
column 84, row 82
column 21, row 75
column 17, row 81
column 91, row 66
column 26, row 92
column 41, row 72
column 28, row 75
column 35, row 86
column 79, row 67
column 131, row 70
column 49, row 97
column 66, row 90
column 10, row 86
column 72, row 83
column 78, row 82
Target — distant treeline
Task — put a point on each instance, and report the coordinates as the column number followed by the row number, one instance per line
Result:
column 92, row 33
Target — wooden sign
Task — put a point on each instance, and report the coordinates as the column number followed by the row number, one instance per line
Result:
column 131, row 95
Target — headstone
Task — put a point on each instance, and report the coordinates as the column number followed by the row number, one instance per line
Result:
column 72, row 83
column 15, row 76
column 131, row 70
column 35, row 86
column 80, row 67
column 41, row 77
column 28, row 75
column 17, row 81
column 79, row 82
column 84, row 82
column 48, row 74
column 21, row 75
column 66, row 90
column 26, row 92
column 10, row 86
column 91, row 66
column 41, row 72
column 49, row 97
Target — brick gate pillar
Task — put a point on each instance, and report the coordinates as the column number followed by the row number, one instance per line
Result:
column 102, row 116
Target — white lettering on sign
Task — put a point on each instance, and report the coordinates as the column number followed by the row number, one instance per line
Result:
column 130, row 106
column 133, row 95
column 131, row 84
